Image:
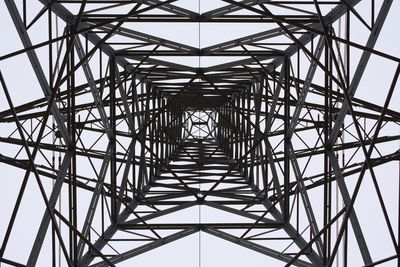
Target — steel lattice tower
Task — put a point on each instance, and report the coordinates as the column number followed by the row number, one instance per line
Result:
column 283, row 132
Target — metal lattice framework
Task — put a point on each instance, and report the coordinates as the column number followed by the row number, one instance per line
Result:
column 273, row 136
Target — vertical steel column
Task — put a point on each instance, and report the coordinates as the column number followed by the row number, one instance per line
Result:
column 237, row 130
column 266, row 100
column 327, row 121
column 252, row 98
column 158, row 135
column 133, row 100
column 162, row 129
column 72, row 201
column 151, row 131
column 113, row 161
column 53, row 160
column 286, row 159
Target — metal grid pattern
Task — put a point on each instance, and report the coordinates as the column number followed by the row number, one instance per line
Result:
column 128, row 135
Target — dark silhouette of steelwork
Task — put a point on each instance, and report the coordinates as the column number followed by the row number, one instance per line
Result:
column 131, row 137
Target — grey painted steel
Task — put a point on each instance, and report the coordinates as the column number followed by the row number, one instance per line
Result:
column 93, row 88
column 19, row 25
column 23, row 34
column 158, row 161
column 254, row 246
column 304, row 196
column 44, row 225
column 95, row 196
column 373, row 37
column 306, row 87
column 291, row 231
column 237, row 212
column 343, row 111
column 155, row 244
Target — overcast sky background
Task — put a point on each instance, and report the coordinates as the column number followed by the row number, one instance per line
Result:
column 23, row 87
